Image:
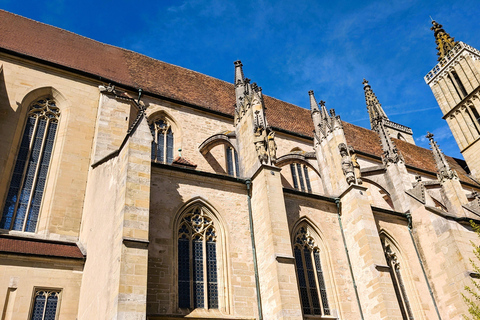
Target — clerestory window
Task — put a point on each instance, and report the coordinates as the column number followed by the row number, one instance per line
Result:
column 311, row 282
column 163, row 143
column 197, row 261
column 45, row 304
column 232, row 161
column 301, row 180
column 24, row 198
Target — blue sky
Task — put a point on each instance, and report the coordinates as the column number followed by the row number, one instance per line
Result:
column 289, row 47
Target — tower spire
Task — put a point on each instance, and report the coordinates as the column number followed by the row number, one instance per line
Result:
column 444, row 42
column 374, row 107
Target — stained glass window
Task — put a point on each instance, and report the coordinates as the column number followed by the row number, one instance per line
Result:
column 45, row 304
column 310, row 275
column 163, row 142
column 25, row 194
column 197, row 261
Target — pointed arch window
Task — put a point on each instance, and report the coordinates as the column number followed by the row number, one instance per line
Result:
column 311, row 281
column 22, row 206
column 163, row 141
column 398, row 284
column 197, row 261
column 232, row 161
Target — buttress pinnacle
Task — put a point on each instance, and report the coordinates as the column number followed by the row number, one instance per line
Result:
column 374, row 107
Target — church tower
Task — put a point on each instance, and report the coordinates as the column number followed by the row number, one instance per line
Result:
column 455, row 83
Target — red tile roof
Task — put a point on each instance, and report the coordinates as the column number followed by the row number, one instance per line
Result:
column 37, row 247
column 179, row 161
column 54, row 45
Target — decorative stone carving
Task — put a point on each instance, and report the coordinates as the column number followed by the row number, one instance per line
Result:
column 249, row 96
column 418, row 190
column 347, row 165
column 272, row 147
column 323, row 122
column 444, row 172
column 391, row 257
column 356, row 165
column 260, row 145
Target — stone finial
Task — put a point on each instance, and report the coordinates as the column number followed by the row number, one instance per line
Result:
column 313, row 102
column 374, row 107
column 444, row 42
column 443, row 168
column 239, row 78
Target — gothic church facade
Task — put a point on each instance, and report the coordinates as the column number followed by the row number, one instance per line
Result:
column 135, row 189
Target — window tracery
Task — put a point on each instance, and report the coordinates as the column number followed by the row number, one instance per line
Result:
column 45, row 304
column 313, row 293
column 197, row 261
column 163, row 141
column 25, row 193
column 398, row 284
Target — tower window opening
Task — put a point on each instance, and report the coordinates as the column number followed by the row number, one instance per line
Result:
column 455, row 87
column 460, row 84
column 475, row 114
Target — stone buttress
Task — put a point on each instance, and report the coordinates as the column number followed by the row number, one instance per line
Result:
column 377, row 296
column 257, row 154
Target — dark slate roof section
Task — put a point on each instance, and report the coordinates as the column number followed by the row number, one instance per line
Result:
column 39, row 247
column 66, row 49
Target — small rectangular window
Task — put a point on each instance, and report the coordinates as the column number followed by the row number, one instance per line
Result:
column 45, row 304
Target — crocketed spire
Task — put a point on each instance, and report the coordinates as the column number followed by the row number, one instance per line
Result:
column 374, row 107
column 443, row 168
column 444, row 42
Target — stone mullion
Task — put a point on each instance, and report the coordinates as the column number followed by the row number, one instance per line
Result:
column 449, row 98
column 462, row 75
column 464, row 126
column 472, row 123
column 457, row 134
column 471, row 65
column 37, row 169
column 454, row 92
column 22, row 182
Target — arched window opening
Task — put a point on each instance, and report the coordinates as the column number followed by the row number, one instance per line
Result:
column 311, row 282
column 162, row 144
column 459, row 84
column 455, row 87
column 232, row 161
column 25, row 193
column 398, row 284
column 301, row 180
column 197, row 261
column 475, row 114
column 400, row 137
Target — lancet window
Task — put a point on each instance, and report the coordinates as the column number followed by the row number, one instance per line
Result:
column 45, row 304
column 163, row 142
column 22, row 206
column 313, row 293
column 197, row 261
column 398, row 284
column 232, row 161
column 300, row 178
